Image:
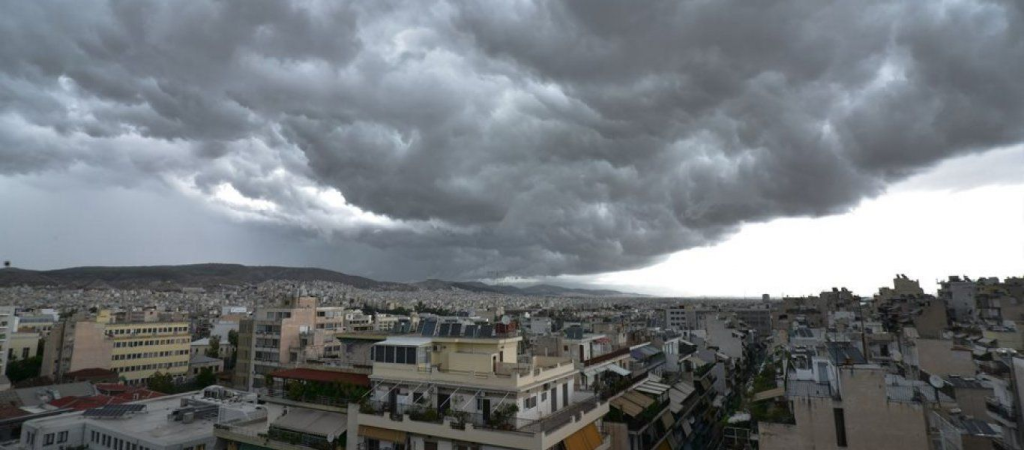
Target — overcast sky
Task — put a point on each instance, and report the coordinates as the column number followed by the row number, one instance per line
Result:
column 675, row 147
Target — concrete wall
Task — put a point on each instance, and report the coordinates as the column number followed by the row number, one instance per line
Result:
column 932, row 320
column 871, row 420
column 972, row 401
column 937, row 357
column 92, row 347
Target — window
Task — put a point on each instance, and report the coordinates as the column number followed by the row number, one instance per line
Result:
column 530, row 402
column 389, row 354
column 62, row 437
column 840, row 427
column 48, row 439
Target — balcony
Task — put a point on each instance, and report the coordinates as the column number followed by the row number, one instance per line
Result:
column 999, row 410
column 518, row 432
column 503, row 376
column 606, row 357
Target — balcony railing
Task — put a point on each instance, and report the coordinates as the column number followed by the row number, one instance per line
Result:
column 458, row 420
column 606, row 357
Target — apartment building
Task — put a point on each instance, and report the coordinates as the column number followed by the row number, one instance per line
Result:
column 36, row 323
column 689, row 317
column 8, row 325
column 457, row 386
column 296, row 332
column 135, row 351
column 842, row 401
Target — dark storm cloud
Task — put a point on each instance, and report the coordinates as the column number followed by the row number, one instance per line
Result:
column 522, row 138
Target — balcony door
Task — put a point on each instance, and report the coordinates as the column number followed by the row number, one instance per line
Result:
column 554, row 399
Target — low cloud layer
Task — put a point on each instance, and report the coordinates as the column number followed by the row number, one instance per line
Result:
column 481, row 139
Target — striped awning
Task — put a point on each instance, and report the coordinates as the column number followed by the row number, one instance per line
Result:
column 382, row 434
column 629, row 408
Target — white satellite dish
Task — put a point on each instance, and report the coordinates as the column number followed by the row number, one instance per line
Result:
column 936, row 381
column 897, row 356
column 505, row 320
column 526, row 315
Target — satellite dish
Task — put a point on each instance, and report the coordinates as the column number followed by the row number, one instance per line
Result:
column 505, row 320
column 936, row 381
column 526, row 315
column 897, row 356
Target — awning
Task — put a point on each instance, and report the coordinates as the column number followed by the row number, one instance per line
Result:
column 664, row 445
column 644, row 352
column 627, row 407
column 618, row 369
column 666, row 420
column 686, row 428
column 311, row 421
column 678, row 394
column 382, row 434
column 650, row 387
column 684, row 387
column 770, row 393
column 594, row 371
column 587, row 438
column 638, row 398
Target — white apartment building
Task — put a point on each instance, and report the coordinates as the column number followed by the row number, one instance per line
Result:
column 176, row 422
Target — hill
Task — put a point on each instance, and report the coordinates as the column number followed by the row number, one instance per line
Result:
column 170, row 278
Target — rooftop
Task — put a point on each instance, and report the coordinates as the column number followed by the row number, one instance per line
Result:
column 153, row 423
column 843, row 353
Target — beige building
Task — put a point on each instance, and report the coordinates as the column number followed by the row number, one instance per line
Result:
column 468, row 388
column 297, row 332
column 8, row 325
column 873, row 416
column 939, row 357
column 135, row 351
column 22, row 346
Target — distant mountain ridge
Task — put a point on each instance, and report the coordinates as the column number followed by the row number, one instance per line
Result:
column 170, row 278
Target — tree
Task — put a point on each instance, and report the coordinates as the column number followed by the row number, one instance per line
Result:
column 161, row 382
column 23, row 369
column 233, row 341
column 214, row 350
column 205, row 378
